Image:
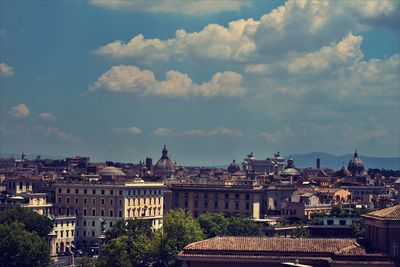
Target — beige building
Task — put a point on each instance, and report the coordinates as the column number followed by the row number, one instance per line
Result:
column 64, row 233
column 229, row 198
column 111, row 201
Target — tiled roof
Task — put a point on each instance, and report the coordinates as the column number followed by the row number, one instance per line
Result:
column 274, row 244
column 391, row 213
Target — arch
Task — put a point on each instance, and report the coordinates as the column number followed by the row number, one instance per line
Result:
column 62, row 247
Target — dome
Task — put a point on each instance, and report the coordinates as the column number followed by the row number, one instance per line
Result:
column 356, row 165
column 111, row 171
column 233, row 167
column 164, row 167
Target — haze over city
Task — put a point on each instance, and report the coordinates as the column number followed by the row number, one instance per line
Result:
column 214, row 80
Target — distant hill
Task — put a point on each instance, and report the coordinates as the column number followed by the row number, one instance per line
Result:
column 336, row 162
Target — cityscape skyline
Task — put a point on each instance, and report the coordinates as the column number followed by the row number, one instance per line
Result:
column 213, row 81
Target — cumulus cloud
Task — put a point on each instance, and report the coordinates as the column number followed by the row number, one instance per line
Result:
column 296, row 26
column 6, row 70
column 47, row 116
column 131, row 130
column 257, row 68
column 58, row 133
column 131, row 79
column 20, row 111
column 196, row 8
column 221, row 131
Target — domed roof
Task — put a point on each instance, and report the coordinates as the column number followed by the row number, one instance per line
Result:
column 164, row 163
column 233, row 167
column 111, row 171
column 356, row 165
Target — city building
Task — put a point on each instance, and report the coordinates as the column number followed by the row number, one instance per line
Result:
column 229, row 198
column 253, row 166
column 280, row 251
column 111, row 201
column 382, row 230
column 356, row 166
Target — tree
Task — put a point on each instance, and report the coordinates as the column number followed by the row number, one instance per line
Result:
column 180, row 229
column 243, row 226
column 300, row 231
column 116, row 252
column 32, row 222
column 213, row 224
column 357, row 228
column 130, row 227
column 21, row 248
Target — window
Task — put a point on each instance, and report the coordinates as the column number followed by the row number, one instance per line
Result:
column 68, row 191
column 237, row 196
column 196, row 204
column 237, row 205
column 342, row 222
column 215, row 205
column 76, row 191
column 247, row 206
column 59, row 190
column 247, row 196
column 94, row 191
column 186, row 204
column 67, row 199
column 84, row 233
column 111, row 201
column 102, row 213
column 205, row 195
column 84, row 212
column 92, row 233
column 186, row 194
column 94, row 201
column 120, row 192
column 111, row 192
column 329, row 222
column 102, row 201
column 226, row 205
column 120, row 213
column 216, row 196
column 93, row 223
column 62, row 233
column 394, row 251
column 67, row 233
column 196, row 195
column 102, row 191
column 226, row 196
column 111, row 224
column 120, row 202
column 85, row 191
column 59, row 200
column 84, row 200
column 206, row 204
column 177, row 194
column 93, row 212
column 111, row 213
column 76, row 200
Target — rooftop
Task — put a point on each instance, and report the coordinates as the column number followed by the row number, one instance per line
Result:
column 391, row 213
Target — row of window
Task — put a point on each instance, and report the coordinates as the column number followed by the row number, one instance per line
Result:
column 131, row 201
column 215, row 195
column 60, row 234
column 216, row 205
column 111, row 191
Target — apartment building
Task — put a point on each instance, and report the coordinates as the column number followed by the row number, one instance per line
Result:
column 110, row 201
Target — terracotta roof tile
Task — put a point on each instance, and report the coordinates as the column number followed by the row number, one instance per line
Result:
column 273, row 244
column 391, row 213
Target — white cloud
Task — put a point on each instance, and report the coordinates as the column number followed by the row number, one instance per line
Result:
column 131, row 130
column 162, row 132
column 47, row 116
column 193, row 8
column 346, row 51
column 56, row 132
column 221, row 131
column 6, row 70
column 257, row 68
column 131, row 79
column 296, row 26
column 277, row 136
column 20, row 111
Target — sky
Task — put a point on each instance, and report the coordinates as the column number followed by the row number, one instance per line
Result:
column 214, row 80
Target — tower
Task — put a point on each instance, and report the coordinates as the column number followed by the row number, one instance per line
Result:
column 318, row 163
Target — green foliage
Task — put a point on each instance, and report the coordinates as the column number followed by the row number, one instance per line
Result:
column 19, row 247
column 357, row 228
column 213, row 224
column 131, row 227
column 180, row 229
column 32, row 221
column 300, row 231
column 243, row 226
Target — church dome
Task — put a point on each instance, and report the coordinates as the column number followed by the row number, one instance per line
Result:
column 164, row 165
column 111, row 171
column 291, row 172
column 233, row 167
column 356, row 165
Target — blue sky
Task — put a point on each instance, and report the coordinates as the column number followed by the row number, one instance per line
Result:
column 212, row 79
